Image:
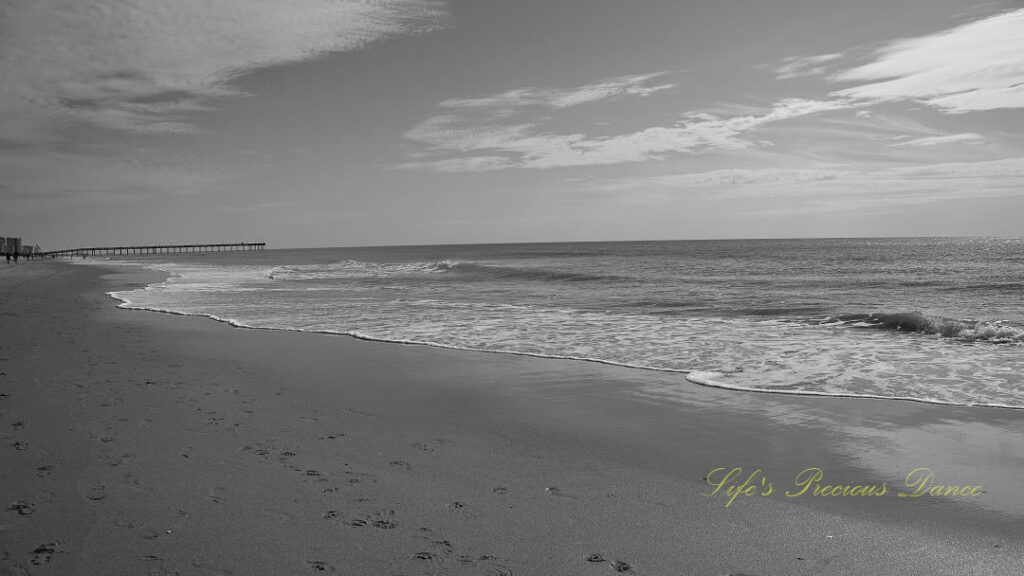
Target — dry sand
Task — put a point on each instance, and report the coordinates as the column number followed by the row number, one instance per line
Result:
column 143, row 443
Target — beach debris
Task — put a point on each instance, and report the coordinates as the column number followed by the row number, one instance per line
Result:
column 423, row 556
column 499, row 490
column 595, row 558
column 44, row 470
column 18, row 425
column 23, row 507
column 553, row 490
column 98, row 492
column 456, row 505
column 400, row 464
column 619, row 566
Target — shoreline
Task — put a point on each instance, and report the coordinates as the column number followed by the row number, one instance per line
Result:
column 326, row 453
column 701, row 377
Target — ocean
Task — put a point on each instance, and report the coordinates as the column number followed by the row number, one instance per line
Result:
column 925, row 319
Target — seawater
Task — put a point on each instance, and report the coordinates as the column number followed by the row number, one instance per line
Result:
column 926, row 319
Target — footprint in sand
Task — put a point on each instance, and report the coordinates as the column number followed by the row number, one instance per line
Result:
column 439, row 552
column 383, row 519
column 320, row 567
column 400, row 464
column 23, row 507
column 360, row 477
column 216, row 494
column 335, row 516
column 20, row 445
column 44, row 552
column 499, row 490
column 44, row 471
column 18, row 425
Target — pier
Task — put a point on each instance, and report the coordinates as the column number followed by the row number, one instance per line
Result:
column 157, row 249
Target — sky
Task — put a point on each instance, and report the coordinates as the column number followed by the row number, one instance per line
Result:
column 384, row 122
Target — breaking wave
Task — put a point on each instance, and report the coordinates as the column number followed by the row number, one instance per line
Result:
column 995, row 331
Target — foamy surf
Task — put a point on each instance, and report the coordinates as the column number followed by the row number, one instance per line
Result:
column 731, row 315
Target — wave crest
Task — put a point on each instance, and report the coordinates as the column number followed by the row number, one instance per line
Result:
column 354, row 269
column 511, row 272
column 963, row 329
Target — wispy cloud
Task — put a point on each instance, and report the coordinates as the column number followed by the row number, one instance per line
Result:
column 145, row 65
column 527, row 146
column 973, row 67
column 799, row 66
column 725, row 178
column 609, row 88
column 940, row 140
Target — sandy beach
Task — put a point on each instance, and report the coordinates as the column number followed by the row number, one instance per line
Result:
column 136, row 442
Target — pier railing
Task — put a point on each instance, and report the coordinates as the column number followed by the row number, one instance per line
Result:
column 157, row 249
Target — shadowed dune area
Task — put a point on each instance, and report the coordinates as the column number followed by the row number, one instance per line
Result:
column 135, row 442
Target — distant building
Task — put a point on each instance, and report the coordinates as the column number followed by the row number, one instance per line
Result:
column 10, row 244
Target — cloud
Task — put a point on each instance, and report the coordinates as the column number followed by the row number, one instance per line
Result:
column 526, row 146
column 976, row 66
column 729, row 177
column 471, row 164
column 799, row 66
column 144, row 65
column 608, row 88
column 973, row 67
column 939, row 140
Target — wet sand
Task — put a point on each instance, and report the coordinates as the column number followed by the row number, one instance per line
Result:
column 143, row 443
